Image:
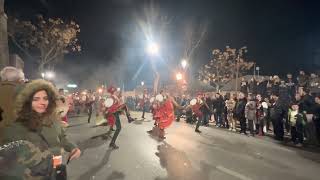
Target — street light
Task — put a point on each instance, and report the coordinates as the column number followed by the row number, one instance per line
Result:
column 258, row 69
column 179, row 76
column 142, row 83
column 49, row 75
column 184, row 63
column 72, row 86
column 42, row 75
column 153, row 48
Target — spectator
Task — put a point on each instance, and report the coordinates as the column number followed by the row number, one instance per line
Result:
column 314, row 81
column 276, row 116
column 316, row 117
column 302, row 79
column 11, row 80
column 262, row 87
column 251, row 113
column 291, row 85
column 239, row 112
column 262, row 110
column 296, row 121
column 218, row 106
column 244, row 86
column 38, row 123
column 307, row 105
column 275, row 85
column 207, row 109
column 253, row 86
column 230, row 105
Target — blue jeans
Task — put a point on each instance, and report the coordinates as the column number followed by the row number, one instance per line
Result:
column 206, row 118
column 218, row 118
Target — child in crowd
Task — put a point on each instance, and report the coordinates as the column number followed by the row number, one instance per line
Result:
column 296, row 121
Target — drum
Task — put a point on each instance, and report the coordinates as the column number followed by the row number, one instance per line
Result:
column 108, row 102
column 152, row 99
column 159, row 98
column 193, row 102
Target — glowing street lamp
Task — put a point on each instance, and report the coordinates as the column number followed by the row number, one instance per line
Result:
column 153, row 48
column 49, row 75
column 184, row 63
column 179, row 76
column 72, row 86
column 100, row 90
column 42, row 75
column 142, row 83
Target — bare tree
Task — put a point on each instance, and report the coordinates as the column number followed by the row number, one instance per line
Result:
column 225, row 65
column 46, row 40
column 194, row 34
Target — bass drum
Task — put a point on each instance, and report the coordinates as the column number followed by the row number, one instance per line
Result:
column 159, row 98
column 152, row 99
column 108, row 102
column 193, row 102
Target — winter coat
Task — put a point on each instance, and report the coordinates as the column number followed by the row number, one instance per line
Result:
column 296, row 118
column 239, row 111
column 291, row 85
column 47, row 140
column 230, row 104
column 244, row 87
column 276, row 111
column 7, row 98
column 307, row 104
column 303, row 80
column 251, row 111
column 218, row 105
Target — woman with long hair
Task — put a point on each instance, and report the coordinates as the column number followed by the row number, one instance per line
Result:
column 38, row 124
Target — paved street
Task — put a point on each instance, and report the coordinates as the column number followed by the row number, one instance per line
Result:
column 215, row 154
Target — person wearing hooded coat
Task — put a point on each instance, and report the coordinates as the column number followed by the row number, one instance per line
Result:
column 38, row 124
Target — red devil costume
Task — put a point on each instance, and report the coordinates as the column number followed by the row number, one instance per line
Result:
column 113, row 112
column 163, row 114
column 197, row 110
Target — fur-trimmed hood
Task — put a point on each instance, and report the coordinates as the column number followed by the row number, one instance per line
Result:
column 30, row 88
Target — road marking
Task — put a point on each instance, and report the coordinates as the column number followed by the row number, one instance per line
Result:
column 232, row 173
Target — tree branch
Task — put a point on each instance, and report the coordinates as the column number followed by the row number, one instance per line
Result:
column 19, row 46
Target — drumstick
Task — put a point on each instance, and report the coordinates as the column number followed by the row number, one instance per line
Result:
column 69, row 158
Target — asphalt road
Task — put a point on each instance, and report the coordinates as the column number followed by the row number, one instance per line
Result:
column 215, row 154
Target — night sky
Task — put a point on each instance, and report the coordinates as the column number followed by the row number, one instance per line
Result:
column 281, row 35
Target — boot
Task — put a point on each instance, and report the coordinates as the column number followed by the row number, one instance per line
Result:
column 161, row 134
column 130, row 119
column 113, row 146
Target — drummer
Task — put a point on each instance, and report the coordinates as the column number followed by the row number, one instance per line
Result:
column 198, row 105
column 114, row 107
column 164, row 113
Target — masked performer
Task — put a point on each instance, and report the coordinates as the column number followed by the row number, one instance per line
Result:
column 114, row 107
column 163, row 113
column 197, row 105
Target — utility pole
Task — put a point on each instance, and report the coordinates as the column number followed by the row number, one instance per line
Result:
column 237, row 72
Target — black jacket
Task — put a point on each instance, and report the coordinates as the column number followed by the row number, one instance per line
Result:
column 240, row 107
column 307, row 104
column 276, row 111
